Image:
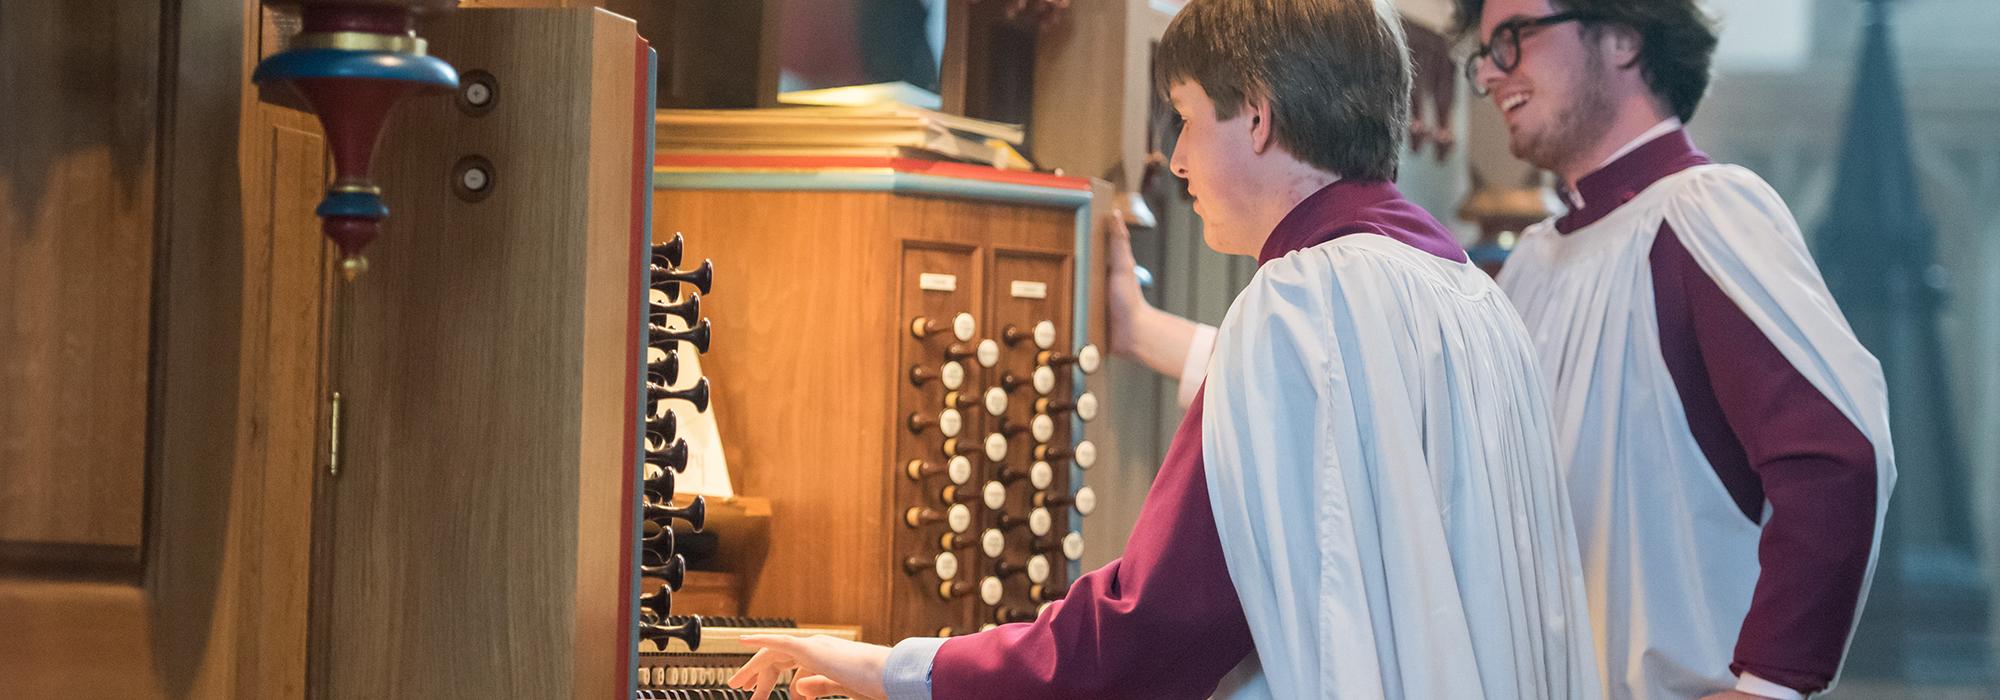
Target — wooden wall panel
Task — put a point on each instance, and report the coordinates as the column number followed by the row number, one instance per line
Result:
column 210, row 602
column 78, row 148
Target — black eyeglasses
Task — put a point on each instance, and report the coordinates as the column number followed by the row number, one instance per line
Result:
column 1504, row 49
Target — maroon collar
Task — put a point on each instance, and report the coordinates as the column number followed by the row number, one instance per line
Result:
column 1359, row 206
column 1620, row 180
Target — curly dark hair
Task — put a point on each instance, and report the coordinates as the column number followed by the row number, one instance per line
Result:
column 1677, row 41
column 1337, row 73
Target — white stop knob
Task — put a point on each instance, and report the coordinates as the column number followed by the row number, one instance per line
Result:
column 962, row 327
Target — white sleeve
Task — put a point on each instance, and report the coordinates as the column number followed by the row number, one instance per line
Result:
column 1195, row 369
column 1750, row 683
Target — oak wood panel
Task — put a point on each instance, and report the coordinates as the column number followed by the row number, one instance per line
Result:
column 78, row 148
column 797, row 369
column 485, row 378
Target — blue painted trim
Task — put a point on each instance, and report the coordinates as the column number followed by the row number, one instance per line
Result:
column 367, row 65
column 1079, row 328
column 638, row 475
column 881, row 180
column 358, row 205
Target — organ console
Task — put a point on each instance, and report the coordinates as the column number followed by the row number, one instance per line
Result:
column 969, row 312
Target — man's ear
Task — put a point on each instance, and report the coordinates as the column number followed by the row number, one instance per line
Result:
column 1260, row 123
column 1621, row 44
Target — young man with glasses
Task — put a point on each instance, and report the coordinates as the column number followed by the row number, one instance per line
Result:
column 1724, row 436
column 1363, row 503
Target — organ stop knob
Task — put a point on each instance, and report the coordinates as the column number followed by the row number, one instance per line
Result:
column 1085, row 500
column 1084, row 406
column 1086, row 359
column 958, row 469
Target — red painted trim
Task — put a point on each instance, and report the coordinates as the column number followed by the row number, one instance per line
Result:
column 634, row 318
column 357, row 18
column 966, row 171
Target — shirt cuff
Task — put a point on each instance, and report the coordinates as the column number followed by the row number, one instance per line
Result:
column 1195, row 368
column 907, row 673
column 1748, row 682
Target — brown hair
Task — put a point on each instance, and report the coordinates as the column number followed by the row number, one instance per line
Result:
column 1676, row 42
column 1336, row 72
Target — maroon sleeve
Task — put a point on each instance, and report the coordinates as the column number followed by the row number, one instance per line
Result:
column 1773, row 438
column 1162, row 622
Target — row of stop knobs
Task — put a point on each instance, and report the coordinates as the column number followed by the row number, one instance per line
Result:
column 955, row 499
column 675, row 294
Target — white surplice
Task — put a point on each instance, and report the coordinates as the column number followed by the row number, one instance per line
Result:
column 1670, row 560
column 1384, row 482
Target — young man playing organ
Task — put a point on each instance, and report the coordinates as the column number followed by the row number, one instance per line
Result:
column 1363, row 501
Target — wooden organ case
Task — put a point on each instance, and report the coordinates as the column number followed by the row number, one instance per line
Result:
column 497, row 521
column 901, row 375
